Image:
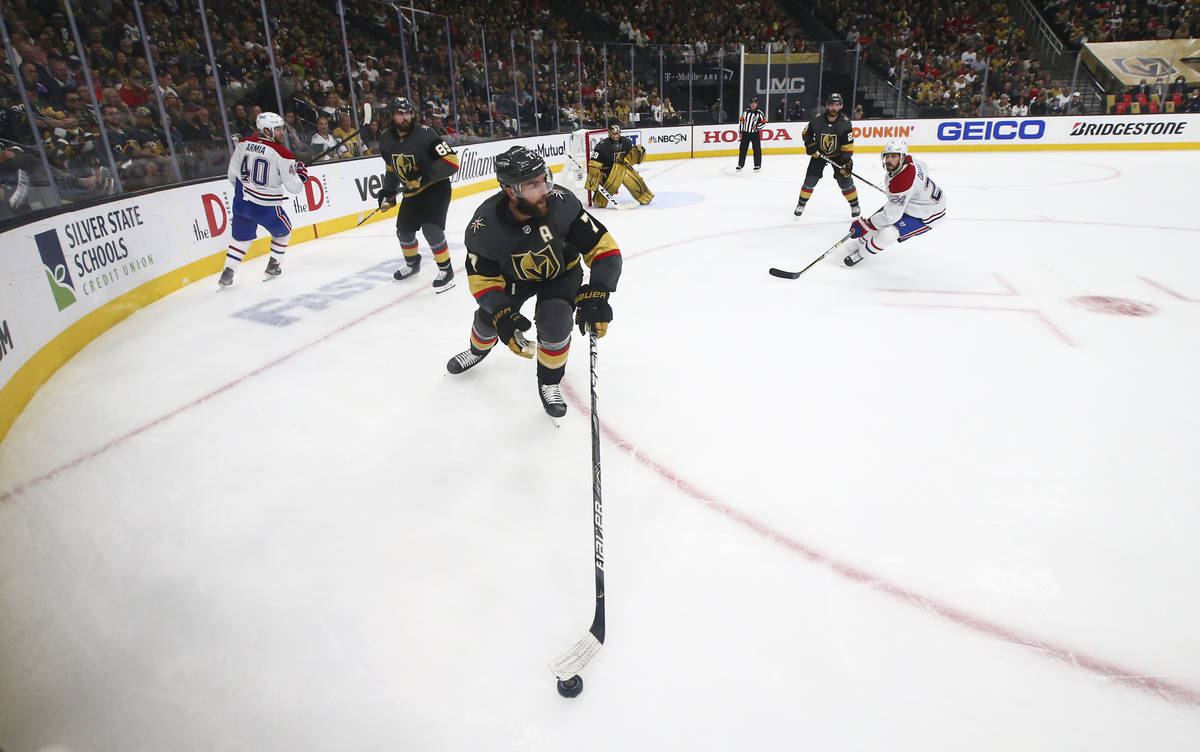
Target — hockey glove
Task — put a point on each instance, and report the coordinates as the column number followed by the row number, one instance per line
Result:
column 509, row 325
column 860, row 227
column 845, row 167
column 592, row 310
column 387, row 197
column 301, row 171
column 811, row 149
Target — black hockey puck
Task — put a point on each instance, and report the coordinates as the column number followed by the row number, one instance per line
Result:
column 571, row 687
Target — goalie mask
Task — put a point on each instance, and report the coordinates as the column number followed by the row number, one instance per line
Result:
column 614, row 132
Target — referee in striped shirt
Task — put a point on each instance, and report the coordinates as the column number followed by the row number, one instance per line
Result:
column 749, row 125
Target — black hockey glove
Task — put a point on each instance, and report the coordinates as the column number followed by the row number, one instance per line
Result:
column 509, row 325
column 811, row 149
column 592, row 310
column 845, row 167
column 387, row 196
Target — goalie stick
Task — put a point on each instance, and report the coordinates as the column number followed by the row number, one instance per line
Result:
column 600, row 189
column 568, row 665
column 796, row 275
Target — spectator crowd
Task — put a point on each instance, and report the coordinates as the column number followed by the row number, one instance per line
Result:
column 475, row 69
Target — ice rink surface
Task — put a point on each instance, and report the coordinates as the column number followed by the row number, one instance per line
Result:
column 944, row 500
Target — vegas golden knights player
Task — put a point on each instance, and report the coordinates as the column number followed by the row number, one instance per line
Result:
column 830, row 133
column 611, row 166
column 419, row 167
column 527, row 241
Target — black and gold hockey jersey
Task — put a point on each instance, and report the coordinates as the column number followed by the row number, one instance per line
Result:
column 608, row 152
column 417, row 160
column 503, row 250
column 835, row 140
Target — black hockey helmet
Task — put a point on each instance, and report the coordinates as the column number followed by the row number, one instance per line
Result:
column 400, row 104
column 834, row 98
column 519, row 165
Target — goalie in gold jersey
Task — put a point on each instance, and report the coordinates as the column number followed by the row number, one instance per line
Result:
column 610, row 166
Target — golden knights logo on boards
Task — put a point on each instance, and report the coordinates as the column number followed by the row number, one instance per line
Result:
column 535, row 266
column 829, row 143
column 407, row 169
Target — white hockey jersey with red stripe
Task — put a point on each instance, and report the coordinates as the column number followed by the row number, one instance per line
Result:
column 264, row 169
column 913, row 192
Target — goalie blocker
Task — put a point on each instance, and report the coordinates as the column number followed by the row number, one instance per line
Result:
column 610, row 165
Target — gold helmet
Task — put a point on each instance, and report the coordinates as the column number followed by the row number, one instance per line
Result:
column 614, row 132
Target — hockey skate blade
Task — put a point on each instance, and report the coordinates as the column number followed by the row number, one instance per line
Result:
column 572, row 662
column 444, row 288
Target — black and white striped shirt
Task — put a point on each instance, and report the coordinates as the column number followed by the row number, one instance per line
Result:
column 751, row 121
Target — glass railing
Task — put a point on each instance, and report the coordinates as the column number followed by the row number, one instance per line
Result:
column 150, row 93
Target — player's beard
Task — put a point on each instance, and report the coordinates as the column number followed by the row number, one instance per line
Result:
column 403, row 130
column 531, row 209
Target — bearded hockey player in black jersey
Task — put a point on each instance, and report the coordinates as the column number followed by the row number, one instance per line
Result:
column 527, row 241
column 830, row 134
column 419, row 167
column 610, row 166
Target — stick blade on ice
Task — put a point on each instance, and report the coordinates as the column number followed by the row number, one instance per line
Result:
column 572, row 662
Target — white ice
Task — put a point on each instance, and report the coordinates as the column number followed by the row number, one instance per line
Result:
column 927, row 503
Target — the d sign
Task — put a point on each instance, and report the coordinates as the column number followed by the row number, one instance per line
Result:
column 213, row 208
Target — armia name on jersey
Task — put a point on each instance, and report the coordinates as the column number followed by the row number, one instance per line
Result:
column 251, row 146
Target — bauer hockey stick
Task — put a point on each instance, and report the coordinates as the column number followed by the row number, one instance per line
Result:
column 837, row 166
column 796, row 275
column 365, row 122
column 568, row 665
column 375, row 211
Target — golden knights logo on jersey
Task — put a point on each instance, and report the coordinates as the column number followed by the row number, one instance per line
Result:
column 829, row 143
column 407, row 169
column 535, row 266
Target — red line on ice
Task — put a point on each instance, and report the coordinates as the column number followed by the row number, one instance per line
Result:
column 1175, row 693
column 1162, row 688
column 1169, row 291
column 1011, row 290
column 1037, row 314
column 199, row 400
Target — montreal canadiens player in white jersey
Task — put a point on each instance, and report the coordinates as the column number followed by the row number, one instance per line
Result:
column 913, row 205
column 260, row 169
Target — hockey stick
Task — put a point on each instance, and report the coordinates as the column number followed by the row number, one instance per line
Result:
column 837, row 166
column 363, row 221
column 568, row 665
column 365, row 122
column 600, row 189
column 796, row 275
